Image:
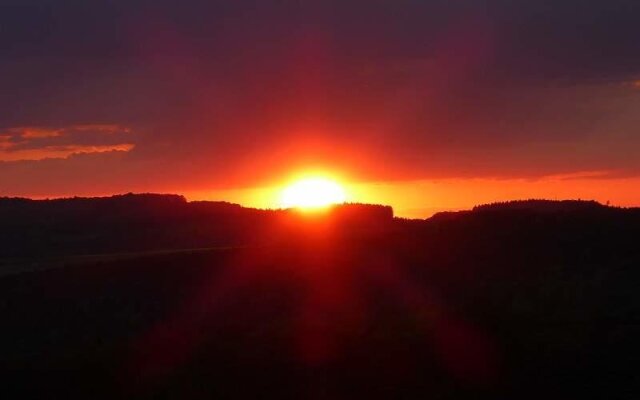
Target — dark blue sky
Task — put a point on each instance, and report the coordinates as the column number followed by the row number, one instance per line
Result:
column 161, row 95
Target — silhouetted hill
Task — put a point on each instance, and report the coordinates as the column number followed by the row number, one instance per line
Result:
column 134, row 222
column 539, row 207
column 543, row 206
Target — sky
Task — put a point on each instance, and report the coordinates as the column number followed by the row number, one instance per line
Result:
column 424, row 105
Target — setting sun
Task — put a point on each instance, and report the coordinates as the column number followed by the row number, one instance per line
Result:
column 312, row 193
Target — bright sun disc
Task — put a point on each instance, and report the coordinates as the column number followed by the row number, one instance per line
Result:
column 312, row 193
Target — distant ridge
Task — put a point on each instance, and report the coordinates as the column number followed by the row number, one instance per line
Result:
column 141, row 222
column 145, row 222
column 542, row 205
column 138, row 197
column 534, row 206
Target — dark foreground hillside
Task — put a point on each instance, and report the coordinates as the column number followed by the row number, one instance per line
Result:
column 524, row 300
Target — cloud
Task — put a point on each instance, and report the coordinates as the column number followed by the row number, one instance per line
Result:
column 37, row 143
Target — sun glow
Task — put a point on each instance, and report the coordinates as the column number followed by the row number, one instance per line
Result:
column 312, row 193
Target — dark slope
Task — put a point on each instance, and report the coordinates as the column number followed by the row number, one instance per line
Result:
column 527, row 301
column 35, row 229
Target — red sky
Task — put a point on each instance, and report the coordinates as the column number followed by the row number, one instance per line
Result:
column 422, row 105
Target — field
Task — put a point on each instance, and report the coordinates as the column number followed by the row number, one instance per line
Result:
column 320, row 318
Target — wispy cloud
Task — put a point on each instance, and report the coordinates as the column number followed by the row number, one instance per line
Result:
column 37, row 143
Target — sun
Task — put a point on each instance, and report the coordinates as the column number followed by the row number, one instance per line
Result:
column 312, row 193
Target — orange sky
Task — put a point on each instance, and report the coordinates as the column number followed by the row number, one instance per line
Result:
column 423, row 105
column 423, row 198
